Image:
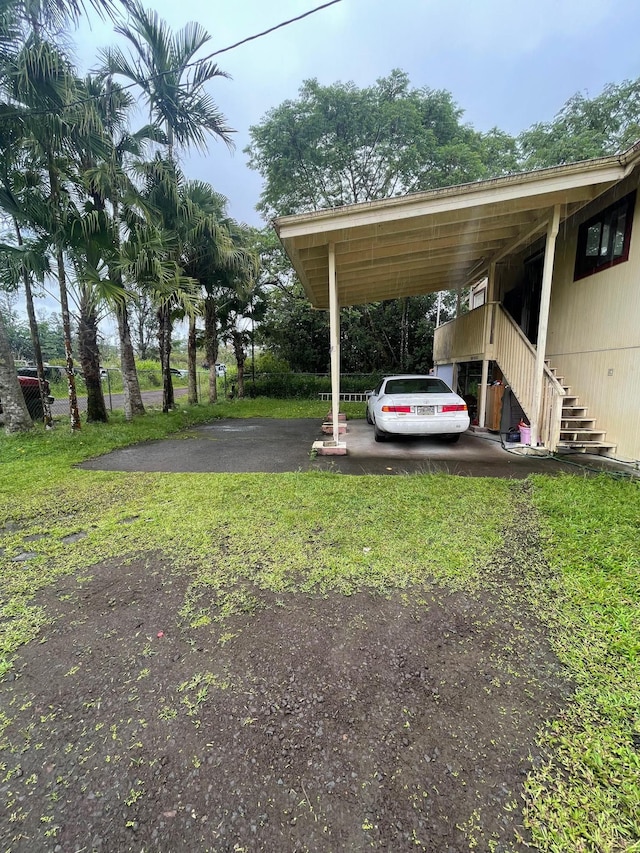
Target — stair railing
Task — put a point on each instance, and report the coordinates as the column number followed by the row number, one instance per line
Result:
column 516, row 357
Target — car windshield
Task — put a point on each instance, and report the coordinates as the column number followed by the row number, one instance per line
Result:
column 416, row 385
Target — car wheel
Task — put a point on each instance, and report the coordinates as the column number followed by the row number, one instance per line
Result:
column 369, row 421
column 379, row 436
column 451, row 438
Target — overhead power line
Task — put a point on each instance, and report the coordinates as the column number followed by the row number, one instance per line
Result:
column 195, row 62
column 266, row 32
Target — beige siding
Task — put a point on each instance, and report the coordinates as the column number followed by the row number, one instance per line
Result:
column 462, row 339
column 594, row 335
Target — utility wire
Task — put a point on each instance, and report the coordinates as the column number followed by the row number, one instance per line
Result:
column 266, row 32
column 80, row 101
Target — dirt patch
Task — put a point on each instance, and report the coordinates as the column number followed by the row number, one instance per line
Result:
column 310, row 724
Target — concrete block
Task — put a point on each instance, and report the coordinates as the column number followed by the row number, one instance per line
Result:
column 327, row 428
column 330, row 448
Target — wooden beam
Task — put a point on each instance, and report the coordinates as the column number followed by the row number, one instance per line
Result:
column 334, row 343
column 543, row 322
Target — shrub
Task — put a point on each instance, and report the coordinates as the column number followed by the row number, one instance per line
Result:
column 304, row 386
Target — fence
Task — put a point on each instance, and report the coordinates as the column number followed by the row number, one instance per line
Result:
column 276, row 385
column 150, row 386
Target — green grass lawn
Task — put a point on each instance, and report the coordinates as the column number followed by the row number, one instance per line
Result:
column 320, row 532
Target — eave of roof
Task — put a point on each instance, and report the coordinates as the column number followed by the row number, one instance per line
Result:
column 439, row 239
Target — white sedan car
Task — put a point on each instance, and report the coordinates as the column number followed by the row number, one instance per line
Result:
column 416, row 405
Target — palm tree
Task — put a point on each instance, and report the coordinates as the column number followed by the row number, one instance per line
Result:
column 112, row 195
column 44, row 96
column 228, row 278
column 50, row 17
column 172, row 81
column 211, row 256
column 152, row 255
column 244, row 304
column 18, row 183
column 38, row 84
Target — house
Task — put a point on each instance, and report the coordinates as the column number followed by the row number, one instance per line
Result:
column 558, row 255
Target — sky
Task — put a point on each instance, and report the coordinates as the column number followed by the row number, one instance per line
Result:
column 507, row 63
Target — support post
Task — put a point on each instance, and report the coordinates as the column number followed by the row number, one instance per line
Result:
column 482, row 402
column 334, row 342
column 491, row 283
column 543, row 323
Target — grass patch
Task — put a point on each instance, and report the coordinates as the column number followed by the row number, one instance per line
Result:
column 587, row 796
column 318, row 532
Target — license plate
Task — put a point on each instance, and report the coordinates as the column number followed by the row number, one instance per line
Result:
column 425, row 410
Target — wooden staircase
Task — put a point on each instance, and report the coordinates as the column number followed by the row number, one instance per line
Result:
column 578, row 431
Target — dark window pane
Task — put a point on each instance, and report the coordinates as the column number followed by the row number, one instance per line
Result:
column 604, row 240
column 618, row 239
column 416, row 386
column 593, row 240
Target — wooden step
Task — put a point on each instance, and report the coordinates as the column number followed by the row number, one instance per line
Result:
column 585, row 446
column 577, row 431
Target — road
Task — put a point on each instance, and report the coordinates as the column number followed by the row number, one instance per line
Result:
column 115, row 401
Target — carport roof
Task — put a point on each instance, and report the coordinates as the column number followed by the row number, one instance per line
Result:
column 438, row 240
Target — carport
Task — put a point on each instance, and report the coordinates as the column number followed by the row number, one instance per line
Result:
column 445, row 239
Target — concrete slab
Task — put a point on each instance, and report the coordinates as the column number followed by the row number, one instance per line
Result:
column 262, row 445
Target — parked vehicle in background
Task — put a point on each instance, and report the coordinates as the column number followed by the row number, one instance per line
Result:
column 31, row 393
column 52, row 372
column 416, row 405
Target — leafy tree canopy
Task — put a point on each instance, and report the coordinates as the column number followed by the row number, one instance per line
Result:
column 585, row 128
column 339, row 144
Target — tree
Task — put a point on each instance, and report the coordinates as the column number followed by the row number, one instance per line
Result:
column 15, row 413
column 585, row 127
column 20, row 265
column 174, row 86
column 45, row 100
column 155, row 254
column 113, row 195
column 145, row 326
column 170, row 79
column 219, row 255
column 339, row 145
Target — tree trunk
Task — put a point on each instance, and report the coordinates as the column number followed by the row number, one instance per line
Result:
column 240, row 355
column 191, row 361
column 133, row 404
column 404, row 334
column 15, row 413
column 74, row 414
column 211, row 344
column 164, row 341
column 35, row 340
column 90, row 360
